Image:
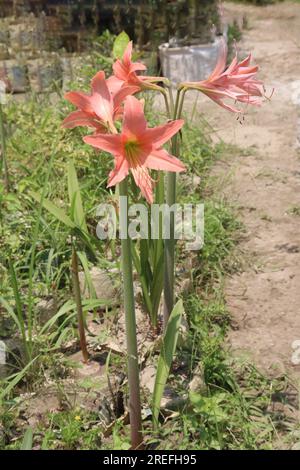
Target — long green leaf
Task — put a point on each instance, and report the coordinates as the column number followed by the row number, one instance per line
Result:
column 158, row 252
column 89, row 241
column 58, row 213
column 165, row 358
column 87, row 304
column 19, row 307
column 157, row 285
column 61, row 216
column 145, row 264
column 15, row 379
column 27, row 440
column 77, row 212
column 67, row 307
column 64, row 334
column 145, row 287
column 84, row 262
column 11, row 313
column 49, row 265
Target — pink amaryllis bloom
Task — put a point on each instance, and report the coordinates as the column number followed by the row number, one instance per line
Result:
column 138, row 148
column 101, row 108
column 125, row 72
column 237, row 82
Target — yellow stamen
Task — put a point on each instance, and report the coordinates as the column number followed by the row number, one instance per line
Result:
column 132, row 153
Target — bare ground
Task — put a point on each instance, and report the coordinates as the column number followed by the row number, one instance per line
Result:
column 264, row 184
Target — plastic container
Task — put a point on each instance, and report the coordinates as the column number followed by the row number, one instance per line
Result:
column 189, row 63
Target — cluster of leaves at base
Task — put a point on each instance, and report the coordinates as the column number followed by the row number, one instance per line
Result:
column 68, row 430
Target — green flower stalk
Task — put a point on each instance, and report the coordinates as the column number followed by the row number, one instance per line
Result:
column 130, row 321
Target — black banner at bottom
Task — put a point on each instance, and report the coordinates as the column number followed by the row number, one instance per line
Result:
column 135, row 459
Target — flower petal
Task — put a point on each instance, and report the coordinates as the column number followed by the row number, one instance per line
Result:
column 114, row 84
column 80, row 118
column 134, row 122
column 237, row 82
column 111, row 143
column 98, row 84
column 144, row 181
column 125, row 91
column 246, row 61
column 81, row 100
column 127, row 54
column 161, row 134
column 225, row 105
column 119, row 172
column 125, row 69
column 118, row 99
column 232, row 66
column 221, row 63
column 120, row 71
column 162, row 160
column 101, row 99
column 137, row 66
column 127, row 60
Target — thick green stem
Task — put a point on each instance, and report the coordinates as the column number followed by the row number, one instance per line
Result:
column 181, row 101
column 177, row 103
column 167, row 104
column 130, row 321
column 171, row 99
column 77, row 297
column 3, row 151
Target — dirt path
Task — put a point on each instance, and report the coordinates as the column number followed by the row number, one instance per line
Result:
column 265, row 186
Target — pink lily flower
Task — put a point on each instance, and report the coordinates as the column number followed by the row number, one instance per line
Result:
column 125, row 72
column 138, row 148
column 101, row 108
column 238, row 82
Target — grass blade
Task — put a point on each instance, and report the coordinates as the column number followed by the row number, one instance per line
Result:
column 27, row 440
column 19, row 309
column 88, row 278
column 166, row 357
column 77, row 212
column 11, row 312
column 145, row 287
column 15, row 379
column 58, row 213
column 157, row 286
column 35, row 236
